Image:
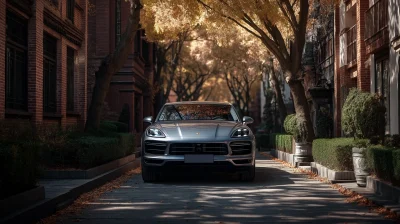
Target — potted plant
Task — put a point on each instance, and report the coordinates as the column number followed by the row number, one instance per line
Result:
column 363, row 117
column 295, row 126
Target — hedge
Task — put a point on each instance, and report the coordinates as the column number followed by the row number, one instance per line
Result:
column 19, row 167
column 88, row 151
column 262, row 141
column 115, row 126
column 282, row 142
column 335, row 153
column 384, row 162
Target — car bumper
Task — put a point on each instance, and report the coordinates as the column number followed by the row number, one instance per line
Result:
column 170, row 160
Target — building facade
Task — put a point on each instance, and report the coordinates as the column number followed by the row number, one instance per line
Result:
column 129, row 98
column 367, row 54
column 43, row 61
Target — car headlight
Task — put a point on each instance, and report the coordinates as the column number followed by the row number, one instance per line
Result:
column 241, row 132
column 155, row 132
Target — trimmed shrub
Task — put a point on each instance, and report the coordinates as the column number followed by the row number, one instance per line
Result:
column 282, row 142
column 108, row 126
column 15, row 131
column 335, row 153
column 19, row 167
column 94, row 151
column 127, row 142
column 396, row 167
column 380, row 162
column 363, row 115
column 263, row 140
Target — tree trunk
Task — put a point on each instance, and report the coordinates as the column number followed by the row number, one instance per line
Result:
column 302, row 108
column 110, row 65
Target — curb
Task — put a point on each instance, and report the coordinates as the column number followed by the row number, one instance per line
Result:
column 49, row 206
column 89, row 173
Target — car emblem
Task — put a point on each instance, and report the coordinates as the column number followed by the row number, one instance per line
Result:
column 197, row 133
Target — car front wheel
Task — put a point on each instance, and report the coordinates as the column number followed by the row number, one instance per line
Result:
column 149, row 175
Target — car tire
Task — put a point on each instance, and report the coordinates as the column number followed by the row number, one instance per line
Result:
column 148, row 175
column 250, row 175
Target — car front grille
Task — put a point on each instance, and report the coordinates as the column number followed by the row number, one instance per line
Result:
column 241, row 148
column 198, row 148
column 155, row 147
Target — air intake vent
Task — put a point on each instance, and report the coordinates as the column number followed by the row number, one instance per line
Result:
column 241, row 148
column 155, row 147
column 198, row 148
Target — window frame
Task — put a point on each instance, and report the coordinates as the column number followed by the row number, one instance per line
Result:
column 49, row 74
column 70, row 79
column 117, row 22
column 16, row 85
column 71, row 10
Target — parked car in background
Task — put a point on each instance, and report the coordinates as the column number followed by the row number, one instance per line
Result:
column 205, row 135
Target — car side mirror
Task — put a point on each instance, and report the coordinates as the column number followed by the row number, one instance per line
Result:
column 148, row 119
column 247, row 120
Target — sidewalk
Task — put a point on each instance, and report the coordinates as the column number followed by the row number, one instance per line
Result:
column 61, row 193
column 379, row 198
column 371, row 195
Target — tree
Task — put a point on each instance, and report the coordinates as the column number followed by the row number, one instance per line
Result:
column 240, row 69
column 112, row 64
column 271, row 69
column 168, row 57
column 270, row 22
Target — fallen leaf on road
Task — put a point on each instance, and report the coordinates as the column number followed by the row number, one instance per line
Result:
column 352, row 197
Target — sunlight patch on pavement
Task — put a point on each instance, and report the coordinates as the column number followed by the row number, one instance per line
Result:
column 115, row 208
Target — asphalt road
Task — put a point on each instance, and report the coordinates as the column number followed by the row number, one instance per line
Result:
column 276, row 196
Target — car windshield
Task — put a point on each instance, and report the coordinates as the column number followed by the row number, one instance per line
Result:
column 198, row 112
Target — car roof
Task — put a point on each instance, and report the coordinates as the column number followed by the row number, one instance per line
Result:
column 199, row 102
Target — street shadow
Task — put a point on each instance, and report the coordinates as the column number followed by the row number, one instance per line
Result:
column 276, row 196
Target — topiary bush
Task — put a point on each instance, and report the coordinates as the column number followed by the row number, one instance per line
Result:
column 290, row 124
column 363, row 115
column 335, row 153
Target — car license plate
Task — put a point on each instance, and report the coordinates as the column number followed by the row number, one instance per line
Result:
column 199, row 158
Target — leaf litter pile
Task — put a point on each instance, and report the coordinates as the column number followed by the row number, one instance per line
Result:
column 352, row 197
column 85, row 199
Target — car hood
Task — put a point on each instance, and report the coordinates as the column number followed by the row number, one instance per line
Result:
column 190, row 130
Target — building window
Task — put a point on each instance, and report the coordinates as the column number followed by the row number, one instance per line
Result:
column 70, row 79
column 145, row 54
column 49, row 74
column 70, row 10
column 16, row 62
column 137, row 44
column 382, row 87
column 117, row 21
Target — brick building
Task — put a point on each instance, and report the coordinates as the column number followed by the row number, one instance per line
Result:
column 43, row 69
column 367, row 35
column 129, row 92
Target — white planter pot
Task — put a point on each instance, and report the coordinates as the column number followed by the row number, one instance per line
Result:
column 303, row 152
column 360, row 168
